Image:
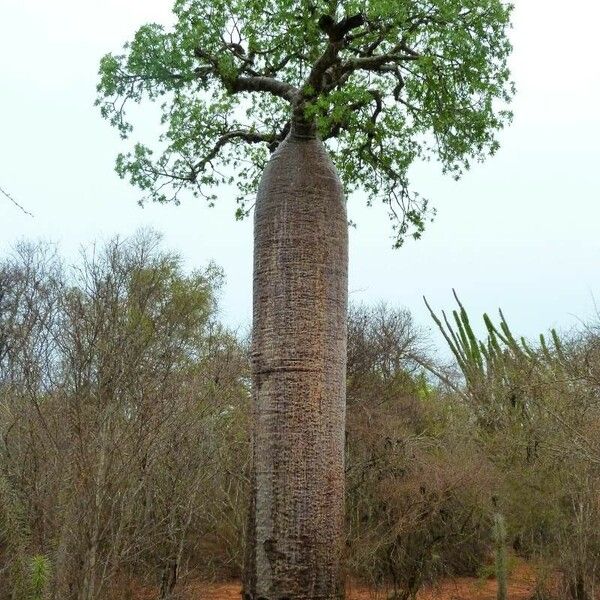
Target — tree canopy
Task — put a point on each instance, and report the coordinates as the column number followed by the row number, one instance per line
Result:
column 382, row 82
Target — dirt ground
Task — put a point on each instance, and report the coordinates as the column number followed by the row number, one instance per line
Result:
column 522, row 583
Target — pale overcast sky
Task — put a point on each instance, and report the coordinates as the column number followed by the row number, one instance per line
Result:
column 519, row 232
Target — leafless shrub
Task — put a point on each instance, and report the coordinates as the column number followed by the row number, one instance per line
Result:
column 117, row 386
column 416, row 489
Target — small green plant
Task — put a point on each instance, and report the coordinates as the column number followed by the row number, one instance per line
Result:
column 40, row 569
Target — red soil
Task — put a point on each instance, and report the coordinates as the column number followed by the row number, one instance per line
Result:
column 521, row 586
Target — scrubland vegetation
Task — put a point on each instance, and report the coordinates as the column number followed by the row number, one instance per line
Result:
column 124, row 438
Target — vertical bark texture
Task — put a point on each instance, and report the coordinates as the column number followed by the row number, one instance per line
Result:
column 299, row 361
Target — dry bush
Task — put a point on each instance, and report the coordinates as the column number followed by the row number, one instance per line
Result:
column 417, row 491
column 124, row 446
column 536, row 408
column 116, row 389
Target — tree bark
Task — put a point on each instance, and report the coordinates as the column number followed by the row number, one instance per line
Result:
column 295, row 533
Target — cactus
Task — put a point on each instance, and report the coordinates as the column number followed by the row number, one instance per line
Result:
column 490, row 361
column 499, row 534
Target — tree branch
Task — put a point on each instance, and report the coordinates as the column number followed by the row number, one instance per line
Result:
column 265, row 84
column 241, row 83
column 378, row 62
column 336, row 32
column 252, row 137
column 19, row 206
column 338, row 126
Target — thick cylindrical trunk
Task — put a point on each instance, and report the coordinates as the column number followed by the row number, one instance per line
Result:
column 295, row 537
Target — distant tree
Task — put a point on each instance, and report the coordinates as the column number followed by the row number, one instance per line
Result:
column 258, row 88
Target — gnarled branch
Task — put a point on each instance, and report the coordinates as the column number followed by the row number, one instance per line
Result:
column 252, row 137
column 265, row 84
column 336, row 32
column 245, row 83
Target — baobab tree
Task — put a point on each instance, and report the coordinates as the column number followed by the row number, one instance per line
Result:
column 302, row 102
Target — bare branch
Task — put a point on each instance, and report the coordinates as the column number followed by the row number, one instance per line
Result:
column 19, row 206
